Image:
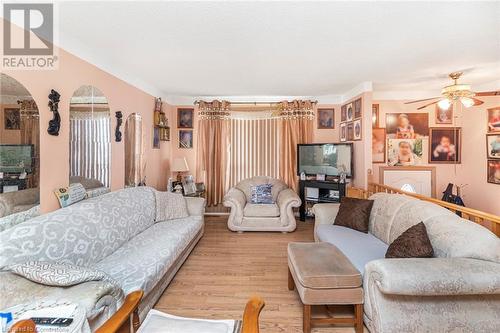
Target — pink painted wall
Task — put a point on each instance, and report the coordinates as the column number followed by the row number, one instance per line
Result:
column 478, row 193
column 72, row 73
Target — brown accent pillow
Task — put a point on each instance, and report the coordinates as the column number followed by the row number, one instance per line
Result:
column 354, row 213
column 413, row 243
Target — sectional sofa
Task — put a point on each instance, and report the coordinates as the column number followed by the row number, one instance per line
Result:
column 116, row 233
column 456, row 291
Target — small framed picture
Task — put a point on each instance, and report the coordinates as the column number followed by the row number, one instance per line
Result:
column 378, row 145
column 375, row 115
column 156, row 137
column 350, row 131
column 343, row 113
column 185, row 139
column 350, row 112
column 357, row 129
column 493, row 146
column 326, row 118
column 444, row 117
column 343, row 132
column 320, row 176
column 12, row 119
column 445, row 145
column 357, row 108
column 494, row 120
column 185, row 118
column 188, row 185
column 494, row 171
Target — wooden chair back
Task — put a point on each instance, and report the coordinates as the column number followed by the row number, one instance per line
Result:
column 23, row 326
column 126, row 319
column 251, row 315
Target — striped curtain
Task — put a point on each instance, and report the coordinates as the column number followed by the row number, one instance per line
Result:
column 90, row 145
column 254, row 149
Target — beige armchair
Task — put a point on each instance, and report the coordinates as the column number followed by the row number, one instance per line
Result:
column 246, row 216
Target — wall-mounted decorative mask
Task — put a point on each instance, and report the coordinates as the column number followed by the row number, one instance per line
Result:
column 55, row 122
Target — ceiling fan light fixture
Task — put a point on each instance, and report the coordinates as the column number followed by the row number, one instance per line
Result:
column 467, row 102
column 444, row 104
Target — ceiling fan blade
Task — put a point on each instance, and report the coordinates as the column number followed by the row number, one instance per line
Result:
column 426, row 105
column 477, row 102
column 421, row 100
column 488, row 93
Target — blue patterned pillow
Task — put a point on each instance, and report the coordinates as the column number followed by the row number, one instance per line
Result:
column 261, row 194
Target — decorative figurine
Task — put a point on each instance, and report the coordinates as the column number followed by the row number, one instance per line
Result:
column 55, row 122
column 118, row 134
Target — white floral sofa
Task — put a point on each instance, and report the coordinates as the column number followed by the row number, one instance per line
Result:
column 457, row 291
column 116, row 233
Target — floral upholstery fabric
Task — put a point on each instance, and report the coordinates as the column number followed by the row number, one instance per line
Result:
column 143, row 261
column 83, row 233
column 170, row 206
column 9, row 221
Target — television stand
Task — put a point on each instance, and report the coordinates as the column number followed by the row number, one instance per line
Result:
column 323, row 189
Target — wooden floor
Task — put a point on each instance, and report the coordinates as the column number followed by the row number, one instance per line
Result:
column 226, row 268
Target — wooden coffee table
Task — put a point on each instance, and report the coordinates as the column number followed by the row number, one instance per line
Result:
column 323, row 275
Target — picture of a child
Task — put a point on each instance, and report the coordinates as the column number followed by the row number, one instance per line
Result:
column 405, row 155
column 494, row 120
column 445, row 150
column 495, row 147
column 405, row 129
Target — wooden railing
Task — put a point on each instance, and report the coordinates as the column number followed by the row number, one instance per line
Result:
column 490, row 221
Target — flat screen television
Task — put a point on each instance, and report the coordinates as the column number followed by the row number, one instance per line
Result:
column 325, row 158
column 16, row 158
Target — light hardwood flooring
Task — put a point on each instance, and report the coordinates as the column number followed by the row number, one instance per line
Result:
column 226, row 268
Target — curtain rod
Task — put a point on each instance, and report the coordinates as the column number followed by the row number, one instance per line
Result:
column 255, row 103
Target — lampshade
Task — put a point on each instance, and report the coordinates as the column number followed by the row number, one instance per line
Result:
column 467, row 102
column 444, row 104
column 180, row 164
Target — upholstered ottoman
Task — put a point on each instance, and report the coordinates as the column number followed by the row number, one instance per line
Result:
column 323, row 275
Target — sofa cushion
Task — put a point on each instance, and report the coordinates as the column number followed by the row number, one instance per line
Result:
column 354, row 213
column 359, row 247
column 143, row 261
column 246, row 186
column 413, row 243
column 261, row 194
column 170, row 206
column 261, row 210
column 83, row 233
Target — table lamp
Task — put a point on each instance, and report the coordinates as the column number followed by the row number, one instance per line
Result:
column 180, row 165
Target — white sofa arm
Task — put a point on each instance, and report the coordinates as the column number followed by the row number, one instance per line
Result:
column 286, row 201
column 236, row 200
column 196, row 206
column 433, row 276
column 324, row 213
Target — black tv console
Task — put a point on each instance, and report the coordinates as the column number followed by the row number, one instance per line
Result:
column 324, row 188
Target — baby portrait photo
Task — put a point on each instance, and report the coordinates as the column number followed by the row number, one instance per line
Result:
column 494, row 119
column 407, row 125
column 493, row 145
column 405, row 152
column 445, row 145
column 326, row 118
column 378, row 145
column 444, row 117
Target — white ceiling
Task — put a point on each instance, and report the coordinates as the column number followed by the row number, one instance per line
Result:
column 194, row 49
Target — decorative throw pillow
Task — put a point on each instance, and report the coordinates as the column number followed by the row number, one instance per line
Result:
column 170, row 206
column 58, row 274
column 413, row 243
column 70, row 195
column 354, row 213
column 262, row 194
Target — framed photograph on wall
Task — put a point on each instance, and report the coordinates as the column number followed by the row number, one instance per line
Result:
column 493, row 171
column 343, row 132
column 407, row 125
column 375, row 115
column 444, row 117
column 494, row 120
column 357, row 129
column 350, row 131
column 357, row 108
column 445, row 145
column 493, row 146
column 343, row 113
column 405, row 152
column 350, row 112
column 156, row 137
column 378, row 145
column 326, row 118
column 185, row 139
column 12, row 119
column 185, row 117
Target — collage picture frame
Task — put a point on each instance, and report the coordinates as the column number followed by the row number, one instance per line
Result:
column 351, row 122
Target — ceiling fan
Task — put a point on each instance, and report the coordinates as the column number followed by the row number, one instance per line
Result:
column 454, row 92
